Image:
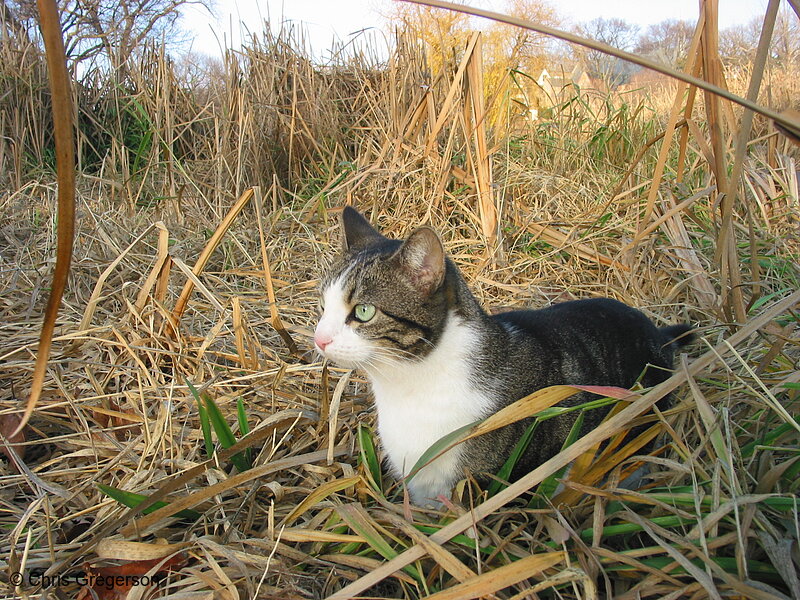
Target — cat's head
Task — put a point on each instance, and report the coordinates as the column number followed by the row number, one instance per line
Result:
column 383, row 301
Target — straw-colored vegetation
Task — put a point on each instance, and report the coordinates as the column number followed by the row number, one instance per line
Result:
column 207, row 206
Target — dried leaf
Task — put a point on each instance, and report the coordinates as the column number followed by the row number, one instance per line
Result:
column 114, row 583
column 13, row 435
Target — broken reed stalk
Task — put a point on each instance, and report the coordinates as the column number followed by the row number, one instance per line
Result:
column 205, row 255
column 65, row 166
column 726, row 251
column 449, row 100
column 730, row 274
column 275, row 317
column 475, row 115
column 669, row 131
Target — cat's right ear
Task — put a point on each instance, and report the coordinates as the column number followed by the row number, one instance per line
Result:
column 358, row 232
column 421, row 258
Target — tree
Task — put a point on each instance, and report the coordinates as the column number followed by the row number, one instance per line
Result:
column 108, row 30
column 614, row 32
column 515, row 42
column 508, row 48
column 443, row 32
column 786, row 38
column 666, row 42
column 737, row 44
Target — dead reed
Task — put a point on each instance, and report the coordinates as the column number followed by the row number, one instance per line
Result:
column 185, row 276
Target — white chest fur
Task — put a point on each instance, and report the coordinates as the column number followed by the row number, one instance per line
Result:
column 419, row 402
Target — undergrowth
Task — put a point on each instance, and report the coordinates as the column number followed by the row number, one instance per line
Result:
column 295, row 503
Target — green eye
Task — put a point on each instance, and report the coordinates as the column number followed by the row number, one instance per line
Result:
column 364, row 312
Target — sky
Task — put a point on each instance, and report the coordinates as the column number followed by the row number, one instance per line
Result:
column 322, row 21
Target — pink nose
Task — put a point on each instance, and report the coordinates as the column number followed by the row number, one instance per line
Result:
column 321, row 340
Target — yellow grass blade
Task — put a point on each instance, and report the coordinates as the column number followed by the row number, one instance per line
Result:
column 298, row 534
column 124, row 550
column 502, row 577
column 158, row 275
column 232, row 482
column 523, row 408
column 322, row 492
column 333, row 413
column 540, row 400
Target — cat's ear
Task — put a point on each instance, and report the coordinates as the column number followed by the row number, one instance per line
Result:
column 357, row 230
column 422, row 259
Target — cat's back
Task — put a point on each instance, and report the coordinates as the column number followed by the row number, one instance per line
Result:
column 582, row 318
column 597, row 341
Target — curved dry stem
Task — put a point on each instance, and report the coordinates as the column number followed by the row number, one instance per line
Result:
column 65, row 166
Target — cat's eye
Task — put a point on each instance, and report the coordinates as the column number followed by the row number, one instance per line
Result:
column 364, row 312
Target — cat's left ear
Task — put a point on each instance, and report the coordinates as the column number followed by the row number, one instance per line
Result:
column 422, row 259
column 358, row 233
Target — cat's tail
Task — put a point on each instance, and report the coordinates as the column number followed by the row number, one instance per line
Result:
column 678, row 336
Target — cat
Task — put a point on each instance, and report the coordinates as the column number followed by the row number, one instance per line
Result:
column 402, row 312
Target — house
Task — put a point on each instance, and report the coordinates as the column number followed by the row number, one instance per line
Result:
column 555, row 87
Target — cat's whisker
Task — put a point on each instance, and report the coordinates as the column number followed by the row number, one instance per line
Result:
column 375, row 366
column 427, row 341
column 396, row 352
column 399, row 359
column 383, row 360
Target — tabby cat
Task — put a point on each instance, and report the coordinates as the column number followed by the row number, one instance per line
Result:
column 401, row 312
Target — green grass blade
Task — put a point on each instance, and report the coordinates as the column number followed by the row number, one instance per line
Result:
column 221, row 427
column 369, row 457
column 549, row 485
column 224, row 433
column 688, row 499
column 623, row 528
column 241, row 416
column 132, row 500
column 244, row 428
column 768, row 439
column 756, row 569
column 519, row 449
column 205, row 425
column 439, row 446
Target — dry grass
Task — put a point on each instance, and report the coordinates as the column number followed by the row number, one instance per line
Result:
column 718, row 516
